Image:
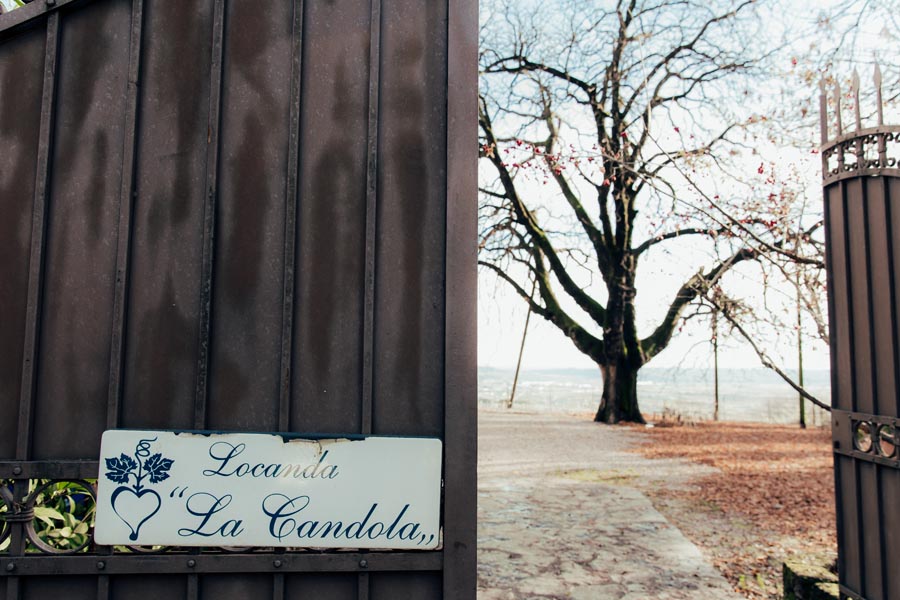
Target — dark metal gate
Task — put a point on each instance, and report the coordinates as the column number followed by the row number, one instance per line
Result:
column 235, row 215
column 862, row 219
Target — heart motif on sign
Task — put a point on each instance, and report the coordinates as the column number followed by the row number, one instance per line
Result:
column 133, row 502
column 135, row 508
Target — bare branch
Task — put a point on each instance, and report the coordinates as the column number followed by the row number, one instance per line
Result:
column 527, row 219
column 691, row 289
column 764, row 357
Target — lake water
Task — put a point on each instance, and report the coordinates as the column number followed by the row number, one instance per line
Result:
column 744, row 394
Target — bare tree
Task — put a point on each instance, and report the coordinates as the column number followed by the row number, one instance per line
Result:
column 599, row 125
column 832, row 46
column 791, row 299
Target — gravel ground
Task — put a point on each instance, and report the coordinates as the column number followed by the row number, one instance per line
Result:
column 562, row 514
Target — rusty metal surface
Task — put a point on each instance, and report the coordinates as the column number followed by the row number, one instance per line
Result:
column 220, row 217
column 460, row 424
column 326, row 364
column 20, row 117
column 78, row 275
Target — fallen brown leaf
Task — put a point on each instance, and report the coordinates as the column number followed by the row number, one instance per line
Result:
column 772, row 497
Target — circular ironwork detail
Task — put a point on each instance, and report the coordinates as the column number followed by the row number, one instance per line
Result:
column 148, row 549
column 63, row 520
column 862, row 436
column 5, row 513
column 886, row 441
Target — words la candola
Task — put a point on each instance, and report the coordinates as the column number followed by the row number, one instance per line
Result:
column 285, row 521
column 285, row 513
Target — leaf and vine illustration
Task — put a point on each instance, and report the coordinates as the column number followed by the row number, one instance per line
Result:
column 135, row 504
column 154, row 466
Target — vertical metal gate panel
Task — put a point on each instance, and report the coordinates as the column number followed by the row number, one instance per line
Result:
column 862, row 219
column 20, row 112
column 329, row 348
column 218, row 215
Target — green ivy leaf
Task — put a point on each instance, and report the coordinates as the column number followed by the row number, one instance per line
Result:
column 48, row 515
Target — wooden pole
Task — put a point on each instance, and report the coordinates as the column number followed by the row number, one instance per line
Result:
column 715, row 341
column 512, row 393
column 800, row 356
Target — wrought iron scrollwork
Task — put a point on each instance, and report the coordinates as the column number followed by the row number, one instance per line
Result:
column 864, row 151
column 6, row 502
column 62, row 516
column 868, row 437
column 57, row 517
column 878, row 439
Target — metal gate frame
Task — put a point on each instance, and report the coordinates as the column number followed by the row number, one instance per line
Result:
column 861, row 185
column 96, row 573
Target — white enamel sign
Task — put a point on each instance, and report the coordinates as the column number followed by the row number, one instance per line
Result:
column 250, row 489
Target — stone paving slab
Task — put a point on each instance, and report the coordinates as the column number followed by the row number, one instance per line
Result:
column 561, row 515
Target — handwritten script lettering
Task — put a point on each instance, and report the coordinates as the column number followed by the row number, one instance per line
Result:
column 166, row 488
column 282, row 510
column 224, row 453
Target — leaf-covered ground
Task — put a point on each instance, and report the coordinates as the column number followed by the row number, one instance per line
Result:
column 772, row 498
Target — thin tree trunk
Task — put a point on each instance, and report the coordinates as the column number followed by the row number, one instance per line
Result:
column 715, row 325
column 512, row 394
column 800, row 357
column 619, row 402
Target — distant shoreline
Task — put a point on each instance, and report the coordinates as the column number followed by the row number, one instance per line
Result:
column 653, row 419
column 653, row 373
column 745, row 395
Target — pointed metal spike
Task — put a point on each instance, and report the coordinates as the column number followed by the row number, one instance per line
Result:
column 854, row 87
column 823, row 111
column 854, row 82
column 837, row 106
column 879, row 106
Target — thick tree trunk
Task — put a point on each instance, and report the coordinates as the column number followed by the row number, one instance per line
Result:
column 619, row 402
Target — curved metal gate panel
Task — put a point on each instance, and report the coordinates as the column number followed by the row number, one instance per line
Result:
column 233, row 215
